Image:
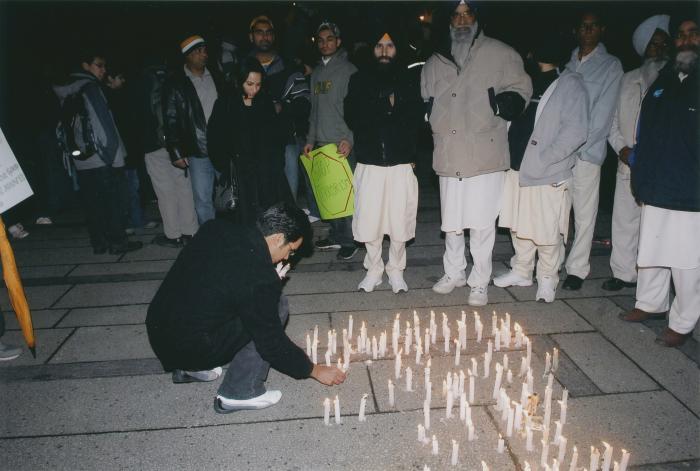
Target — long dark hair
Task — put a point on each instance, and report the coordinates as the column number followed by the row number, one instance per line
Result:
column 249, row 65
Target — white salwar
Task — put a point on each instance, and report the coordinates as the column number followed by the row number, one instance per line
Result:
column 386, row 203
column 668, row 248
column 538, row 217
column 470, row 203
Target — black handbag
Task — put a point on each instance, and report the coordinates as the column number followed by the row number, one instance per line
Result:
column 226, row 190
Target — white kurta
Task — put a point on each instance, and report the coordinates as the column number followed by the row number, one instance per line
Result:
column 669, row 238
column 537, row 213
column 472, row 202
column 386, row 202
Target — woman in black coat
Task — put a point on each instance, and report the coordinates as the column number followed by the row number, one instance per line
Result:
column 244, row 128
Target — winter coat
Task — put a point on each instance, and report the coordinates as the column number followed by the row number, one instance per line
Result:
column 221, row 293
column 469, row 139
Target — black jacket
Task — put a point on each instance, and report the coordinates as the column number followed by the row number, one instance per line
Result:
column 185, row 125
column 253, row 138
column 384, row 135
column 666, row 166
column 221, row 293
column 149, row 116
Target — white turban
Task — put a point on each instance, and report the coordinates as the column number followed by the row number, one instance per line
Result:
column 642, row 35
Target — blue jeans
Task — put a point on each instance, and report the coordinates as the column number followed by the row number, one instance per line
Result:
column 133, row 200
column 291, row 167
column 202, row 174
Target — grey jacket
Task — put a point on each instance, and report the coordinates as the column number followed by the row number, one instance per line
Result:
column 110, row 148
column 329, row 85
column 560, row 129
column 601, row 75
column 469, row 139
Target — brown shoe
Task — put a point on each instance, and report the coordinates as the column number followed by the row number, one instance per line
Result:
column 670, row 338
column 637, row 315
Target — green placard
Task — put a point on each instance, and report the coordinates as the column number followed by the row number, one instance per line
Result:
column 331, row 181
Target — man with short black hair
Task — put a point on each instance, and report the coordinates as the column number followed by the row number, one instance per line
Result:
column 222, row 302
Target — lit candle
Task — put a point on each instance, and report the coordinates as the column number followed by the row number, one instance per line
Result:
column 421, row 433
column 350, row 326
column 328, row 358
column 574, row 460
column 360, row 344
column 345, row 338
column 419, row 353
column 528, row 438
column 494, row 323
column 308, row 345
column 335, row 342
column 391, row 394
column 455, row 452
column 426, row 340
column 409, row 379
column 497, row 341
column 530, row 381
column 479, row 331
column 467, row 413
column 529, row 350
column 607, row 457
column 346, row 364
column 397, row 364
column 555, row 360
column 340, row 364
column 416, row 325
column 314, row 353
column 624, row 462
column 382, row 344
column 484, row 466
column 489, row 349
column 523, row 396
column 562, row 412
column 435, row 445
column 329, row 341
column 509, row 377
column 557, row 431
column 458, row 351
column 426, row 371
column 518, row 336
column 511, row 419
column 408, row 338
column 447, row 339
column 428, row 391
column 547, row 364
column 518, row 415
column 470, row 431
column 547, row 407
column 501, row 444
column 426, row 414
column 523, row 366
column 363, row 333
column 462, row 406
column 487, row 365
column 460, row 390
column 471, row 388
column 327, row 411
column 368, row 346
column 363, row 404
column 527, row 467
column 433, row 328
column 395, row 332
column 448, row 408
column 336, row 405
column 462, row 328
column 562, row 449
column 315, row 341
column 545, row 452
column 375, row 348
column 595, row 458
column 497, row 384
column 616, row 466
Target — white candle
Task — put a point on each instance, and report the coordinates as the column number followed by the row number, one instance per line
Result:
column 340, row 364
column 562, row 412
column 426, row 414
column 497, row 383
column 421, row 433
column 595, row 458
column 335, row 342
column 416, row 325
column 501, row 444
column 607, row 457
column 346, row 364
column 509, row 377
column 470, row 431
column 345, row 338
column 426, row 340
column 448, row 408
column 505, row 361
column 550, row 380
column 562, row 449
column 624, row 462
column 547, row 407
column 328, row 358
column 458, row 351
column 419, row 353
column 428, row 391
column 462, row 406
column 528, row 438
column 382, row 344
column 455, row 452
column 471, row 389
column 494, row 323
column 487, row 365
column 545, row 452
column 314, row 353
column 574, row 460
column 479, row 331
column 433, row 328
column 475, row 366
column 547, row 364
column 529, row 350
column 360, row 344
column 308, row 345
column 497, row 341
column 530, row 381
column 527, row 467
column 518, row 336
column 391, row 394
column 315, row 341
column 408, row 338
column 447, row 340
column 363, row 404
column 409, row 379
column 557, row 431
column 460, row 390
column 484, row 466
column 555, row 360
column 375, row 348
column 489, row 349
column 523, row 396
column 435, row 445
column 327, row 411
column 350, row 326
column 616, row 466
column 336, row 405
column 426, row 371
column 397, row 364
column 511, row 419
column 363, row 332
column 467, row 413
column 518, row 415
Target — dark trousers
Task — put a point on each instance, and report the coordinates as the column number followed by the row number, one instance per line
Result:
column 2, row 324
column 102, row 190
column 247, row 372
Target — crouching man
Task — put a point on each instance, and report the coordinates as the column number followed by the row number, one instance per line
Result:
column 222, row 302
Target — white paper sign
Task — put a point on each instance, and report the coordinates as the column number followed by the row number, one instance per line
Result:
column 14, row 187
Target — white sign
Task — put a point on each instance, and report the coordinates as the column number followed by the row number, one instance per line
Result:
column 14, row 187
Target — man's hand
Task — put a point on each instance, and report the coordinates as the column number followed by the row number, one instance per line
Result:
column 282, row 269
column 344, row 147
column 625, row 154
column 278, row 107
column 308, row 148
column 181, row 163
column 328, row 375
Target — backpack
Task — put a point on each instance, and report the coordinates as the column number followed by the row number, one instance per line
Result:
column 74, row 130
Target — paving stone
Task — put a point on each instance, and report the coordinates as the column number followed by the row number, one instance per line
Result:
column 94, row 269
column 109, row 294
column 61, row 256
column 33, row 243
column 47, row 341
column 646, row 424
column 385, row 441
column 151, row 402
column 129, row 314
column 299, row 326
column 117, row 342
column 590, row 289
column 152, row 252
column 41, row 319
column 692, row 465
column 609, row 369
column 82, row 370
column 415, row 298
column 38, row 297
column 668, row 366
column 52, row 271
column 600, row 268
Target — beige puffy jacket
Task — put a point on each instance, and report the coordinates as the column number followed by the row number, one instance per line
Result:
column 468, row 138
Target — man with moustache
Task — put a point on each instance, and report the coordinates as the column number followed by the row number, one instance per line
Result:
column 473, row 85
column 384, row 110
column 650, row 40
column 666, row 180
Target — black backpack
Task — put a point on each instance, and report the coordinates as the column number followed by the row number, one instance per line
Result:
column 74, row 130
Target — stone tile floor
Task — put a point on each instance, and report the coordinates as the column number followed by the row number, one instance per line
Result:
column 96, row 398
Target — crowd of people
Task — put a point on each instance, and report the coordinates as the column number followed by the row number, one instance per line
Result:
column 511, row 148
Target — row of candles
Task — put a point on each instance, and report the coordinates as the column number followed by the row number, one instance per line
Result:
column 517, row 415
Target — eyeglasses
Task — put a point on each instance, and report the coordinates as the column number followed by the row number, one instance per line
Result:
column 264, row 32
column 463, row 14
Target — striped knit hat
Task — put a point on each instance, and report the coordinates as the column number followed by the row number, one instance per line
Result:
column 191, row 43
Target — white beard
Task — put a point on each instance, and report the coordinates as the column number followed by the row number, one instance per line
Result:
column 462, row 42
column 686, row 61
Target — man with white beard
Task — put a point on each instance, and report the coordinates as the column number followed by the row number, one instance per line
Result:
column 473, row 85
column 666, row 180
column 650, row 40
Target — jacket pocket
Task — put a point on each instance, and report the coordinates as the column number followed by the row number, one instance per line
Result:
column 490, row 150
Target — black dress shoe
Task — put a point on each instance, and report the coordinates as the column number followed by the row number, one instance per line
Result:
column 125, row 247
column 164, row 241
column 616, row 284
column 572, row 283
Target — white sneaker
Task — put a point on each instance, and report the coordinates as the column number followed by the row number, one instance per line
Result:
column 478, row 296
column 397, row 283
column 446, row 284
column 224, row 405
column 369, row 283
column 43, row 220
column 313, row 219
column 206, row 375
column 17, row 231
column 546, row 289
column 511, row 279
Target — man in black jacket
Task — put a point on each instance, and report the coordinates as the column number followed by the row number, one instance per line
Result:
column 384, row 110
column 666, row 180
column 222, row 302
column 189, row 100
